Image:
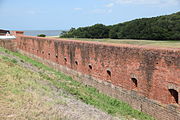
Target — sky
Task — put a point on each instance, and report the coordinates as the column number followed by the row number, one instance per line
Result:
column 64, row 14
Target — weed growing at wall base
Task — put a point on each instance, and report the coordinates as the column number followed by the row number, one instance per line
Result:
column 83, row 92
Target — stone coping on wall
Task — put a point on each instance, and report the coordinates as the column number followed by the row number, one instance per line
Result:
column 164, row 49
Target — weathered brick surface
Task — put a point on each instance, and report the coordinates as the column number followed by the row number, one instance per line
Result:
column 8, row 44
column 141, row 76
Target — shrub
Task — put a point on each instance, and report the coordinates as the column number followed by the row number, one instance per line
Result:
column 41, row 35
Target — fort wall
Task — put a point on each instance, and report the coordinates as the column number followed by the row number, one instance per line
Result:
column 9, row 44
column 146, row 78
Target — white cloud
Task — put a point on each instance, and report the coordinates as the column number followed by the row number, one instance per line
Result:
column 77, row 9
column 110, row 5
column 150, row 2
column 101, row 11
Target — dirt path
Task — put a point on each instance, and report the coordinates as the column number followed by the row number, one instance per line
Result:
column 24, row 94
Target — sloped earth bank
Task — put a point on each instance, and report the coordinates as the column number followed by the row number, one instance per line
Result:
column 24, row 94
column 29, row 92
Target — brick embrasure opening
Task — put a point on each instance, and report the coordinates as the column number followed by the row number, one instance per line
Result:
column 65, row 59
column 76, row 62
column 135, row 82
column 109, row 72
column 90, row 66
column 56, row 56
column 174, row 96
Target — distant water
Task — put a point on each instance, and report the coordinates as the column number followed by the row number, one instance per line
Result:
column 46, row 32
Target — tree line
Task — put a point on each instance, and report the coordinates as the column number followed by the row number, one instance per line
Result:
column 156, row 28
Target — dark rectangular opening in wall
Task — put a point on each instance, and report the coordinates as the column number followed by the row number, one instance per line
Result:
column 134, row 80
column 174, row 95
column 76, row 62
column 90, row 67
column 109, row 72
column 65, row 59
column 56, row 56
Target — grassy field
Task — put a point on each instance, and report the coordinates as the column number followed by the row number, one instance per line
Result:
column 28, row 94
column 173, row 44
column 167, row 43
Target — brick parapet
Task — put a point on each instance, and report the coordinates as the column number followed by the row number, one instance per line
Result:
column 141, row 72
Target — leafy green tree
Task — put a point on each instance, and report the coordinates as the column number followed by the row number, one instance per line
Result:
column 156, row 28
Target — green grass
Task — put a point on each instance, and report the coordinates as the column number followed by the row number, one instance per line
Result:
column 155, row 43
column 9, row 60
column 85, row 93
column 22, row 94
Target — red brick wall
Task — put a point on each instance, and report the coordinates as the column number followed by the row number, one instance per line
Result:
column 8, row 44
column 155, row 69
